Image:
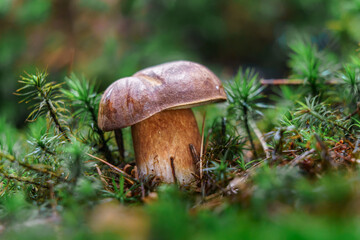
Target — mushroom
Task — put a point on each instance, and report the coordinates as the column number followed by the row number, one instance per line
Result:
column 156, row 103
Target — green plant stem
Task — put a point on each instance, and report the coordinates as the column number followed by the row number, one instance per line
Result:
column 53, row 114
column 76, row 171
column 104, row 147
column 22, row 179
column 11, row 158
column 313, row 86
column 246, row 123
column 120, row 143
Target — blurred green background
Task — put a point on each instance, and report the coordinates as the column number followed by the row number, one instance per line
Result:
column 109, row 39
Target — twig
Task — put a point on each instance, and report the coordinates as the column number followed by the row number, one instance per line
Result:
column 22, row 179
column 357, row 147
column 194, row 153
column 201, row 154
column 142, row 191
column 11, row 158
column 281, row 81
column 355, row 112
column 279, row 145
column 5, row 188
column 301, row 157
column 124, row 174
column 233, row 184
column 261, row 138
column 324, row 153
column 100, row 174
column 286, row 81
column 53, row 199
column 207, row 140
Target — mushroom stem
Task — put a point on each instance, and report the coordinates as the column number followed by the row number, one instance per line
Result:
column 161, row 145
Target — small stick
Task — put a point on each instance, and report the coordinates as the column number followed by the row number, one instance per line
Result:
column 324, row 153
column 286, row 81
column 281, row 81
column 261, row 138
column 202, row 144
column 142, row 191
column 194, row 154
column 207, row 140
column 355, row 112
column 21, row 179
column 126, row 176
column 100, row 174
column 5, row 188
column 11, row 158
column 53, row 198
column 201, row 154
column 301, row 157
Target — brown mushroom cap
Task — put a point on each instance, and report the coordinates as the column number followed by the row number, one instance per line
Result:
column 172, row 85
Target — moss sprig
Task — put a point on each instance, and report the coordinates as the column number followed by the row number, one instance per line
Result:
column 47, row 99
column 85, row 101
column 244, row 93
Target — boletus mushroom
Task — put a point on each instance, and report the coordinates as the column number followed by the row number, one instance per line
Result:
column 156, row 103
